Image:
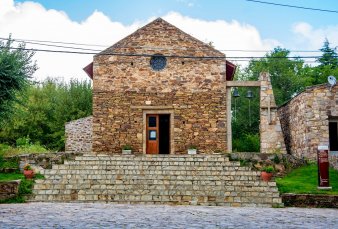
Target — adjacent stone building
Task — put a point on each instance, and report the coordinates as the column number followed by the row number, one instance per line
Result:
column 311, row 119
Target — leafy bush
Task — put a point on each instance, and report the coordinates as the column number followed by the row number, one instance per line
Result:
column 26, row 187
column 9, row 163
column 249, row 143
column 126, row 147
column 268, row 169
column 12, row 151
column 276, row 159
column 24, row 141
column 192, row 147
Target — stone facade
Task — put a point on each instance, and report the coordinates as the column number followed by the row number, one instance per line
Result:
column 191, row 88
column 271, row 136
column 305, row 120
column 79, row 135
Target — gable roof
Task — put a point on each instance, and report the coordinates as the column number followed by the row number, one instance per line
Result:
column 162, row 33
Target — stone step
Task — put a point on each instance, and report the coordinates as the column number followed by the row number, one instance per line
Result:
column 123, row 178
column 169, row 179
column 144, row 169
column 151, row 163
column 157, row 193
column 136, row 171
column 224, row 192
column 158, row 157
column 170, row 185
column 177, row 200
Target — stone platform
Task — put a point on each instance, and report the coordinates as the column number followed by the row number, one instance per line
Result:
column 156, row 179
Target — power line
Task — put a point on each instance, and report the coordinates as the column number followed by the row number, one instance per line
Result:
column 56, row 42
column 58, row 46
column 41, row 42
column 293, row 6
column 173, row 56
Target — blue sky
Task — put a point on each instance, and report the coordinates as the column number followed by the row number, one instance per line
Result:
column 229, row 24
column 272, row 21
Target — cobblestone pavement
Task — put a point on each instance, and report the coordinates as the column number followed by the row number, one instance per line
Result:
column 100, row 215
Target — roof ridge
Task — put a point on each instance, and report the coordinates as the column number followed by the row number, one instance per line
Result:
column 118, row 43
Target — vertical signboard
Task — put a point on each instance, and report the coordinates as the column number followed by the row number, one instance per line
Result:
column 323, row 167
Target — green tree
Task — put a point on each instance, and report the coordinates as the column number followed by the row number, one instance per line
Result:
column 287, row 74
column 44, row 109
column 245, row 124
column 16, row 68
column 328, row 65
column 329, row 56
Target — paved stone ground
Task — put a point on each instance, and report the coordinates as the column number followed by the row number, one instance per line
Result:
column 100, row 215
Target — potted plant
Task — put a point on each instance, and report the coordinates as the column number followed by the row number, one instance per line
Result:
column 267, row 173
column 28, row 171
column 126, row 149
column 192, row 150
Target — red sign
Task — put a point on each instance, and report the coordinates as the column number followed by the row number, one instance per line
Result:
column 323, row 167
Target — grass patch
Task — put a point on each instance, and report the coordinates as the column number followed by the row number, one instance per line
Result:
column 11, row 176
column 304, row 180
column 8, row 151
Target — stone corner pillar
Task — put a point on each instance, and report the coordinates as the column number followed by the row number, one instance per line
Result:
column 271, row 136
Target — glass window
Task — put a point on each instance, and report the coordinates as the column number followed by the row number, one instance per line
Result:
column 158, row 62
column 152, row 121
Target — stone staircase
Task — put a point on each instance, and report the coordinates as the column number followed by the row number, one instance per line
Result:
column 156, row 179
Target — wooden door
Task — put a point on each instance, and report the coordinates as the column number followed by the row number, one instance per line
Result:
column 153, row 134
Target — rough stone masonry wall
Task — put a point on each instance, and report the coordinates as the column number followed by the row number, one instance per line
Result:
column 271, row 136
column 199, row 119
column 79, row 135
column 193, row 90
column 305, row 120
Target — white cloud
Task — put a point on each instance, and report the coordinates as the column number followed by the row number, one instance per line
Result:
column 30, row 20
column 224, row 35
column 310, row 38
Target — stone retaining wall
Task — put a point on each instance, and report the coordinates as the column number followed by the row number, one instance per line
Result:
column 310, row 200
column 46, row 160
column 283, row 163
column 79, row 135
column 9, row 189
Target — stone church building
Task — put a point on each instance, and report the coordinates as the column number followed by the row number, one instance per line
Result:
column 161, row 91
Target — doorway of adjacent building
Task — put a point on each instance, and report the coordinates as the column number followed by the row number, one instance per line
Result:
column 158, row 134
column 333, row 135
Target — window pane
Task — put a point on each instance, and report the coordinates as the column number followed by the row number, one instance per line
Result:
column 152, row 121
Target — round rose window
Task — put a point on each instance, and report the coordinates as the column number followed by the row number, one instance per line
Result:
column 158, row 62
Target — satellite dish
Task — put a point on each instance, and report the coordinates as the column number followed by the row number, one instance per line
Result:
column 332, row 81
